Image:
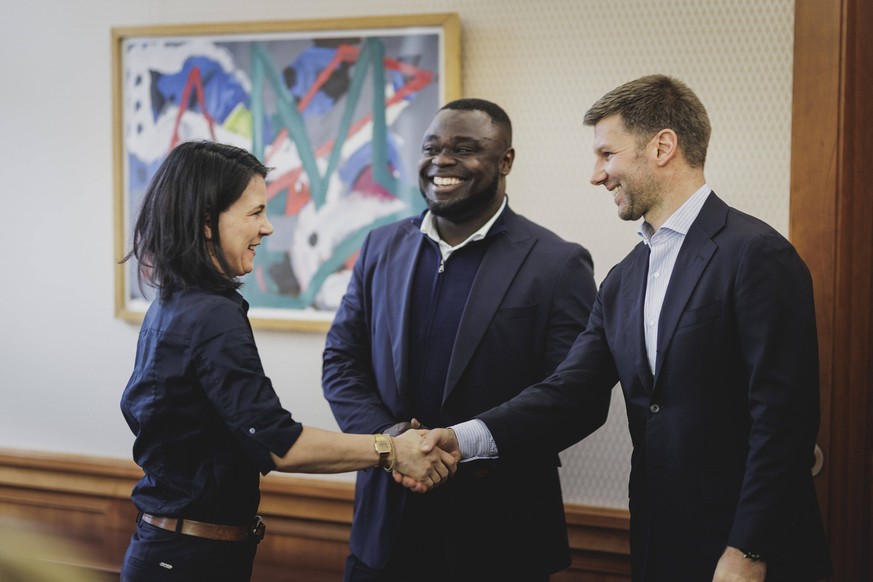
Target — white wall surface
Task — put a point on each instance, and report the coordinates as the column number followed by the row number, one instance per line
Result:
column 64, row 358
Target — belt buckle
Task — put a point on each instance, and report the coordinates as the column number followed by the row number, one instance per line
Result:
column 259, row 528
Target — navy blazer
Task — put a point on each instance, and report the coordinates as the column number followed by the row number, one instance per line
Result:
column 724, row 431
column 530, row 299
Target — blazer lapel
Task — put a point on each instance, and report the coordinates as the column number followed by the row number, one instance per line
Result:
column 632, row 299
column 399, row 272
column 498, row 268
column 695, row 254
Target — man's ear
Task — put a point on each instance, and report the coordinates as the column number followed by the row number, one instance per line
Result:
column 506, row 161
column 666, row 146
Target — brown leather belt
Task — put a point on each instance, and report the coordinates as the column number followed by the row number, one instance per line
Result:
column 211, row 531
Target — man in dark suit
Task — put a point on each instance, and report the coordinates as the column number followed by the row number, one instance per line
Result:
column 709, row 326
column 447, row 315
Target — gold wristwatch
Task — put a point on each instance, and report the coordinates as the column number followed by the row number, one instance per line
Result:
column 384, row 447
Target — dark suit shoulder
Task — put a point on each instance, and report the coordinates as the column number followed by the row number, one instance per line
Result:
column 717, row 218
column 519, row 225
column 748, row 224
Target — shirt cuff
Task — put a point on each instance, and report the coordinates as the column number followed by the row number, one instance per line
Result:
column 474, row 440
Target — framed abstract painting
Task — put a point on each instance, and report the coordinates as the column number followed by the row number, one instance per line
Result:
column 337, row 109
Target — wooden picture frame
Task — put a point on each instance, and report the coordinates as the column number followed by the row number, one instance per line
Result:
column 302, row 96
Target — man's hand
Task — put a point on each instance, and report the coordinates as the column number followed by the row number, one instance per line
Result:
column 734, row 567
column 440, row 440
column 426, row 469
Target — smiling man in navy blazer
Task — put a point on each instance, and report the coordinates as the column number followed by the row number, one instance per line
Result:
column 709, row 326
column 447, row 315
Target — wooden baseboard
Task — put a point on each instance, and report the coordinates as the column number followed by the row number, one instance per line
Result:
column 84, row 502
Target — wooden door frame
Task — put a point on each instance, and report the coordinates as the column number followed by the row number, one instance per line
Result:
column 831, row 224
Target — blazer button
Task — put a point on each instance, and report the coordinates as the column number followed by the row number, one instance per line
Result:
column 654, row 409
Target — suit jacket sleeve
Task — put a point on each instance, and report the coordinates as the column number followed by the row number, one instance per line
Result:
column 348, row 379
column 776, row 322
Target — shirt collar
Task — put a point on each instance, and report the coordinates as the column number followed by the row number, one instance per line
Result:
column 428, row 227
column 680, row 221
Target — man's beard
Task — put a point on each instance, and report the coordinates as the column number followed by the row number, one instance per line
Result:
column 459, row 210
column 641, row 194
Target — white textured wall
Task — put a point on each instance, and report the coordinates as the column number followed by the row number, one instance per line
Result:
column 64, row 359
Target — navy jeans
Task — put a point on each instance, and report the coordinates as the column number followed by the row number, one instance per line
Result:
column 157, row 555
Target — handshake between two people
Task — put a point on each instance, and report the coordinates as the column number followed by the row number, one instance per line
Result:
column 425, row 458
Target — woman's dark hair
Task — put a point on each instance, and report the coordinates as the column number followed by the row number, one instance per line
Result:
column 192, row 187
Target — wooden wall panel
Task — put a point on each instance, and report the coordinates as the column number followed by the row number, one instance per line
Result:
column 85, row 502
column 830, row 224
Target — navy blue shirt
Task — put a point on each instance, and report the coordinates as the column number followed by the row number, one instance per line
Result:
column 204, row 414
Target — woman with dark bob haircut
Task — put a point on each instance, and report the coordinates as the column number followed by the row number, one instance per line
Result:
column 205, row 416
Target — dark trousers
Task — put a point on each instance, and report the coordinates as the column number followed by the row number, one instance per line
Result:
column 430, row 570
column 157, row 555
column 449, row 536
